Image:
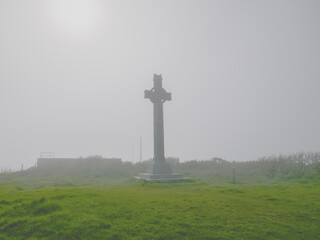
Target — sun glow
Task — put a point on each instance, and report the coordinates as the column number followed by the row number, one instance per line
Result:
column 76, row 17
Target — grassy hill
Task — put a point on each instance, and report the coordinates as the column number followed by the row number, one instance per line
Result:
column 143, row 210
column 273, row 198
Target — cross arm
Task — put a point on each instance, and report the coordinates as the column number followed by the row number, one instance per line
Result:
column 157, row 96
column 167, row 96
column 149, row 93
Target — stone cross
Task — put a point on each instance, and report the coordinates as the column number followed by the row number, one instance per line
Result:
column 158, row 96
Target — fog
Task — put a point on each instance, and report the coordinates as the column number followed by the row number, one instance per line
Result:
column 244, row 77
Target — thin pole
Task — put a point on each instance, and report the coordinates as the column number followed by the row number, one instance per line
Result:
column 140, row 149
column 132, row 153
column 233, row 173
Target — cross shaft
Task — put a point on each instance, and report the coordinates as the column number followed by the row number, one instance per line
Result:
column 158, row 96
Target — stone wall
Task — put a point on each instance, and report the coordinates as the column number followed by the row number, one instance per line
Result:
column 76, row 163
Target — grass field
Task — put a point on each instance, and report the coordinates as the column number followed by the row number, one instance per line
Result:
column 142, row 210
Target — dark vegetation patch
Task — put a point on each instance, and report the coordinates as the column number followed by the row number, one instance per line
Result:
column 61, row 197
column 272, row 199
column 4, row 202
column 46, row 209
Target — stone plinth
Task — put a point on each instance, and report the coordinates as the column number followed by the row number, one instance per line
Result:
column 162, row 177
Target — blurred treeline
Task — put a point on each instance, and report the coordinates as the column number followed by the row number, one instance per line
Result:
column 216, row 170
column 297, row 165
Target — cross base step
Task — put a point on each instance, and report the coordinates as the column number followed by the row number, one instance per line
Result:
column 162, row 177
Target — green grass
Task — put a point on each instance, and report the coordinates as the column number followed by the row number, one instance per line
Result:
column 142, row 210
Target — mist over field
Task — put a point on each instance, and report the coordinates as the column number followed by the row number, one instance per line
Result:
column 244, row 78
column 171, row 119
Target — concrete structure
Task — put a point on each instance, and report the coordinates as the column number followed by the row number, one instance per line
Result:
column 159, row 169
column 76, row 164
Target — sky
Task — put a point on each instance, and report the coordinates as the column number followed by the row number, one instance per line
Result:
column 244, row 77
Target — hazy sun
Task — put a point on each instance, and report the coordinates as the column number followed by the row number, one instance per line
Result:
column 76, row 17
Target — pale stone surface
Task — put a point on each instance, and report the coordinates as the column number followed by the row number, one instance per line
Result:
column 162, row 177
